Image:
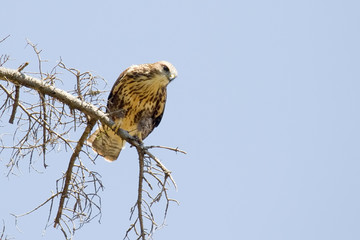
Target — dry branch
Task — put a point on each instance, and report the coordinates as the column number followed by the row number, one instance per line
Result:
column 69, row 172
column 140, row 190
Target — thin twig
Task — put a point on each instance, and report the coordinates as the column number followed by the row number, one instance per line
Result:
column 33, row 210
column 4, row 38
column 163, row 168
column 22, row 66
column 44, row 119
column 3, row 230
column 168, row 148
column 15, row 105
column 17, row 95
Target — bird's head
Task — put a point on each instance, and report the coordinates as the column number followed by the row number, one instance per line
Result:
column 167, row 69
column 158, row 74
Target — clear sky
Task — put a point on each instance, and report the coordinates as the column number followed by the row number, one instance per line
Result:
column 266, row 104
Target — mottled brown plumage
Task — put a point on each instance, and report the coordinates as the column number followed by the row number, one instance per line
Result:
column 136, row 104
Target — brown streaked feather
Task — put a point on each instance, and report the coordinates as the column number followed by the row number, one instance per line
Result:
column 136, row 104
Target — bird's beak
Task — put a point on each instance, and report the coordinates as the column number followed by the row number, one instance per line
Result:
column 172, row 77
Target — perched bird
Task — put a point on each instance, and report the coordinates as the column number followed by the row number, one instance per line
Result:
column 136, row 104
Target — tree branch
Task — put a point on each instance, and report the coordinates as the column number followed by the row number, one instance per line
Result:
column 140, row 190
column 69, row 171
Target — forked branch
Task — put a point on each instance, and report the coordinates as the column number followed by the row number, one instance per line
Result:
column 69, row 172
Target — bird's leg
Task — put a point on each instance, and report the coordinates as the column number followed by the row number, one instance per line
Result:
column 137, row 138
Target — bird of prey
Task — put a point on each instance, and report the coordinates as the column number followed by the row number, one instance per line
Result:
column 136, row 104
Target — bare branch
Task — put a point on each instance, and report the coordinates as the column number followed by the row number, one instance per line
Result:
column 16, row 104
column 140, row 190
column 4, row 38
column 41, row 205
column 2, row 235
column 146, row 198
column 163, row 168
column 17, row 95
column 69, row 171
column 168, row 148
column 4, row 57
column 22, row 66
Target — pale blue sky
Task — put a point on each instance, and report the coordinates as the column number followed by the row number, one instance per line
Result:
column 266, row 104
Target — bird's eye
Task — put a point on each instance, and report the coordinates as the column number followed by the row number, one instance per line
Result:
column 166, row 68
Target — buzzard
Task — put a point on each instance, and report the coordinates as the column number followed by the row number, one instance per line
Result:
column 136, row 104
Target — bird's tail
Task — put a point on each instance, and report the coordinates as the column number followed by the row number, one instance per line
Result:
column 106, row 143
